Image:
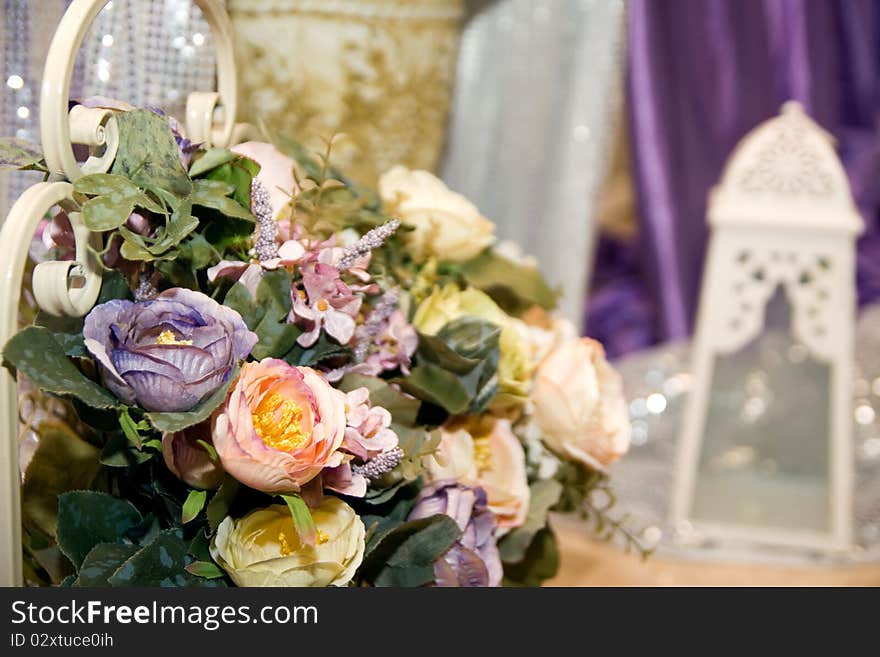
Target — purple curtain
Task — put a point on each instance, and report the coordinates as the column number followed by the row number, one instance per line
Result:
column 701, row 74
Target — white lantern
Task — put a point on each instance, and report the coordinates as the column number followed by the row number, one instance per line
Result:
column 784, row 227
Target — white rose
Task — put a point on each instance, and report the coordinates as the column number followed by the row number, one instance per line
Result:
column 446, row 224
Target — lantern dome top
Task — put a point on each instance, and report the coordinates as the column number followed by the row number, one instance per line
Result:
column 785, row 174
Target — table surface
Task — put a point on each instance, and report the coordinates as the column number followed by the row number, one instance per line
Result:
column 585, row 562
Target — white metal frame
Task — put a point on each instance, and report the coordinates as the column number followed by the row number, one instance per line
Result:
column 783, row 201
column 51, row 282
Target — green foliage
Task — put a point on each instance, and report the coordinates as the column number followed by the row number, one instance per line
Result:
column 62, row 462
column 456, row 369
column 210, row 159
column 544, row 494
column 218, row 507
column 512, row 285
column 267, row 314
column 162, row 562
column 86, row 518
column 214, row 194
column 114, row 198
column 20, row 154
column 192, row 507
column 405, row 555
column 101, row 562
column 302, row 518
column 148, row 153
column 541, row 562
column 171, row 421
column 34, row 352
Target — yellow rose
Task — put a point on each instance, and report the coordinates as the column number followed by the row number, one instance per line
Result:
column 485, row 452
column 515, row 367
column 263, row 548
column 579, row 404
column 446, row 225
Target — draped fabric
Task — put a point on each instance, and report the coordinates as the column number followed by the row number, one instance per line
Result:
column 145, row 52
column 536, row 93
column 701, row 74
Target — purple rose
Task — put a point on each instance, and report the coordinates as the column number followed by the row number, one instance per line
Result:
column 473, row 560
column 168, row 353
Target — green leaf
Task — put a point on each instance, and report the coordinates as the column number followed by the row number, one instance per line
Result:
column 86, row 518
column 148, row 153
column 267, row 314
column 210, row 159
column 162, row 563
column 214, row 194
column 406, row 555
column 62, row 462
column 119, row 452
column 193, row 505
column 218, row 507
column 206, row 569
column 541, row 562
column 35, row 352
column 403, row 408
column 101, row 562
column 115, row 199
column 239, row 173
column 172, row 422
column 514, row 286
column 543, row 495
column 19, row 154
column 456, row 369
column 302, row 518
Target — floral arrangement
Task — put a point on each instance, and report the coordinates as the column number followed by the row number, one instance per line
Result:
column 290, row 380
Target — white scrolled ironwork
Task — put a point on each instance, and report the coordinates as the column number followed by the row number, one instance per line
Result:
column 70, row 288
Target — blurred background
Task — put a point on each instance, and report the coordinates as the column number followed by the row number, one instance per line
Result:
column 591, row 132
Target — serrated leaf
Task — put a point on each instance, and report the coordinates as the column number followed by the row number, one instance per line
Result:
column 407, row 554
column 148, row 153
column 86, row 518
column 35, row 352
column 172, row 422
column 193, row 505
column 101, row 562
column 162, row 563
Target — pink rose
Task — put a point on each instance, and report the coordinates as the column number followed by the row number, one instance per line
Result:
column 579, row 404
column 187, row 455
column 280, row 426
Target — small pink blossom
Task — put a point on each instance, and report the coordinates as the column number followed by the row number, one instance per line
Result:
column 324, row 302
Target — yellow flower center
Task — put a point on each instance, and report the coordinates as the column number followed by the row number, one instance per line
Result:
column 301, row 294
column 278, row 423
column 168, row 337
column 285, row 549
column 482, row 453
column 322, row 305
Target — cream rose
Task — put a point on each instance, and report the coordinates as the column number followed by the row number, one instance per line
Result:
column 447, row 225
column 579, row 404
column 263, row 548
column 485, row 452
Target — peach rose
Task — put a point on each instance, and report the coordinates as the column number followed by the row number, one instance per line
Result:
column 485, row 452
column 280, row 426
column 579, row 404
